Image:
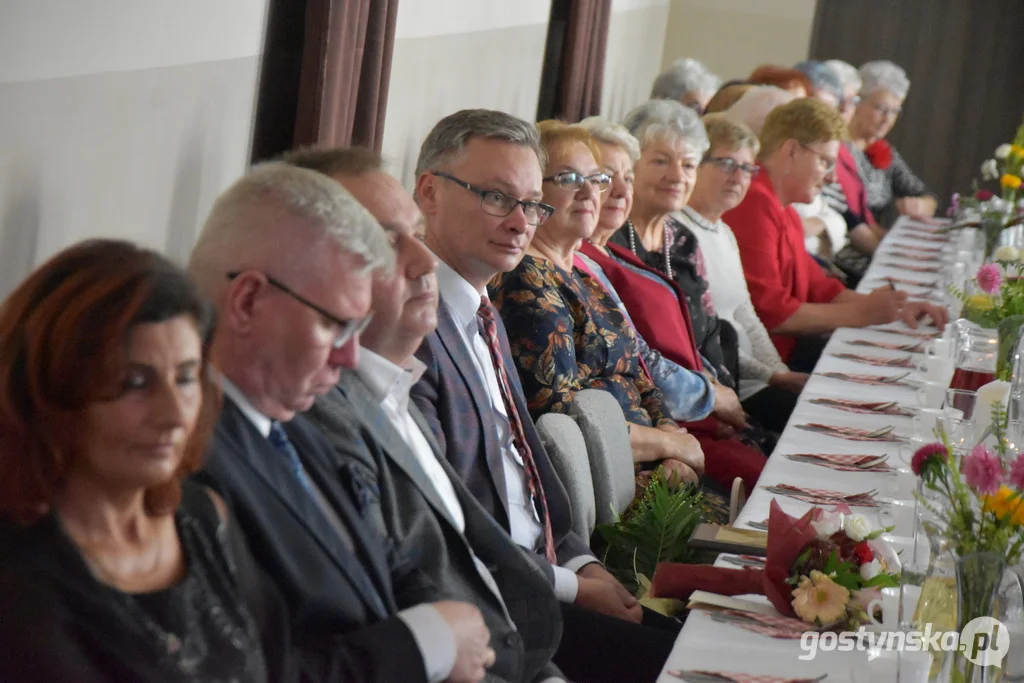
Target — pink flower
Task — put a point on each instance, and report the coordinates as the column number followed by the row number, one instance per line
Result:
column 1017, row 472
column 989, row 278
column 983, row 470
column 926, row 452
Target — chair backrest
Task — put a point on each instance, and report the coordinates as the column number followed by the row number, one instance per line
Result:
column 603, row 424
column 567, row 449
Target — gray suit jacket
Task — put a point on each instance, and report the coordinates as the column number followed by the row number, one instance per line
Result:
column 416, row 527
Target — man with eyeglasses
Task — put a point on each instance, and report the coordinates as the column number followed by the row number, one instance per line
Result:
column 287, row 256
column 479, row 185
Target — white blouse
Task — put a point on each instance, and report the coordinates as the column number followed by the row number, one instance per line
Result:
column 759, row 358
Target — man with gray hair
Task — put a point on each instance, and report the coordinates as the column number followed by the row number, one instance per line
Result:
column 687, row 81
column 479, row 185
column 287, row 257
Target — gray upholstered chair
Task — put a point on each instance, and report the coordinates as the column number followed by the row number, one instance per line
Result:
column 603, row 424
column 564, row 444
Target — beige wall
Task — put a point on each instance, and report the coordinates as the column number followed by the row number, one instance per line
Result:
column 635, row 45
column 457, row 54
column 734, row 36
column 120, row 118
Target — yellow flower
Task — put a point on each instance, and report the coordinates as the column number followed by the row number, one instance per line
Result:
column 979, row 302
column 1004, row 503
column 820, row 600
column 1010, row 181
column 1017, row 149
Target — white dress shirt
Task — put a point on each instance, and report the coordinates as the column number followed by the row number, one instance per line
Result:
column 463, row 301
column 432, row 634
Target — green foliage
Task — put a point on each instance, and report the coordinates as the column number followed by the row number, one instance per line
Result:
column 655, row 528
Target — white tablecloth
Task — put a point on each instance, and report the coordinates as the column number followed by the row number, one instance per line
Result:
column 705, row 644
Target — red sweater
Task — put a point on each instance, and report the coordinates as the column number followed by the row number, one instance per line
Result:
column 780, row 274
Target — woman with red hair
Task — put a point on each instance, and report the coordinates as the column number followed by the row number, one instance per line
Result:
column 790, row 80
column 115, row 569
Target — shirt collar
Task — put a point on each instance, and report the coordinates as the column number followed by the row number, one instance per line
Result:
column 386, row 379
column 260, row 421
column 462, row 299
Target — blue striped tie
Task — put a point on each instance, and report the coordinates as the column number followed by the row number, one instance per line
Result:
column 281, row 442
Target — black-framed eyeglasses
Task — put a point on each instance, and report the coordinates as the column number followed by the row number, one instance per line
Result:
column 730, row 165
column 347, row 329
column 500, row 204
column 574, row 180
column 827, row 164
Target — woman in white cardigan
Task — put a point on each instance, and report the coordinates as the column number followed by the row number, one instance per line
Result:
column 768, row 389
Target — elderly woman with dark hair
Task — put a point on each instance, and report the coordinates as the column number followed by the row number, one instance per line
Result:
column 888, row 180
column 688, row 82
column 114, row 568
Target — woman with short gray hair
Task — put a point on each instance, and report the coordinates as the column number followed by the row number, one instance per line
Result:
column 851, row 83
column 688, row 82
column 888, row 181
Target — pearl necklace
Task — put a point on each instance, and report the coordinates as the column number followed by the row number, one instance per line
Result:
column 666, row 246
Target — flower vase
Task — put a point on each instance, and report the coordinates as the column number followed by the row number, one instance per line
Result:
column 992, row 229
column 1009, row 334
column 978, row 580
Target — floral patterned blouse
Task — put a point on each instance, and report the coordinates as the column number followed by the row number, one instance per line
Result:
column 567, row 335
column 690, row 273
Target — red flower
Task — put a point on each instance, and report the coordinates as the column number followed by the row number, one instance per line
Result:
column 863, row 552
column 879, row 153
column 984, row 195
column 926, row 453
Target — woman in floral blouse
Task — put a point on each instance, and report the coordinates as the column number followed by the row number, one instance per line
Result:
column 566, row 334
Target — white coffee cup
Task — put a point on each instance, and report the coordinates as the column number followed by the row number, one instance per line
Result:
column 932, row 394
column 935, row 369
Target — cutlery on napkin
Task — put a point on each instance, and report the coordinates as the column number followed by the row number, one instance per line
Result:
column 912, row 257
column 853, row 433
column 866, row 407
column 771, row 625
column 701, row 676
column 918, row 248
column 844, row 462
column 930, row 270
column 875, row 380
column 912, row 283
column 744, row 560
column 911, row 347
column 880, row 361
column 926, row 335
column 824, row 496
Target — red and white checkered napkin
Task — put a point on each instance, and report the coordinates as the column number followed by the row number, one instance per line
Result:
column 915, row 268
column 873, row 380
column 880, row 361
column 853, row 433
column 911, row 257
column 844, row 462
column 701, row 676
column 912, row 347
column 912, row 283
column 918, row 248
column 927, row 236
column 927, row 335
column 864, row 407
column 772, row 625
column 824, row 496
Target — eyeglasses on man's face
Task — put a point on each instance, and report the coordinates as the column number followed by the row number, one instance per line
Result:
column 500, row 204
column 347, row 329
column 827, row 164
column 730, row 166
column 574, row 180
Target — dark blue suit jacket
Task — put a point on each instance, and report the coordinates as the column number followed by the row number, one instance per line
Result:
column 455, row 403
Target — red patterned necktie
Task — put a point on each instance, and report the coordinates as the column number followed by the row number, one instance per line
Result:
column 489, row 325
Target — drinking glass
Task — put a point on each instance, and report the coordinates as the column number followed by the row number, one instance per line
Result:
column 963, row 400
column 975, row 354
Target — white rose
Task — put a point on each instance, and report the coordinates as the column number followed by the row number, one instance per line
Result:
column 998, row 205
column 828, row 524
column 989, row 170
column 1002, row 151
column 871, row 569
column 1006, row 253
column 857, row 527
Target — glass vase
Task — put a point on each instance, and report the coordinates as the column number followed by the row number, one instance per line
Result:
column 936, row 606
column 1009, row 332
column 979, row 578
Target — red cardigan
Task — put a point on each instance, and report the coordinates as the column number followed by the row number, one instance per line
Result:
column 781, row 275
column 853, row 187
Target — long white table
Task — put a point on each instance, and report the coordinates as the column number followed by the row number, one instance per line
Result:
column 705, row 644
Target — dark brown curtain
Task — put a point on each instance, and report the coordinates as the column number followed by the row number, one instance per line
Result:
column 963, row 59
column 574, row 59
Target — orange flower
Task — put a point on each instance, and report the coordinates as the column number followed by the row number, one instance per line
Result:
column 820, row 600
column 1010, row 181
column 1005, row 503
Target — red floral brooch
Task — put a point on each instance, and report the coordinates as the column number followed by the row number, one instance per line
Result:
column 879, row 153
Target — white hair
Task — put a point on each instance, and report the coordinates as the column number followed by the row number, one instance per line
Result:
column 610, row 133
column 754, row 106
column 279, row 206
column 670, row 121
column 884, row 75
column 847, row 73
column 683, row 76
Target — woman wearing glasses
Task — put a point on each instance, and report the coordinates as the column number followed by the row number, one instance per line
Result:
column 565, row 332
column 792, row 296
column 888, row 180
column 767, row 387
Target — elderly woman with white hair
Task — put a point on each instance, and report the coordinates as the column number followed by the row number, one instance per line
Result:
column 688, row 82
column 851, row 84
column 888, row 180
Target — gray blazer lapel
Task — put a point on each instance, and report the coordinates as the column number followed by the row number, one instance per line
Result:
column 365, row 408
